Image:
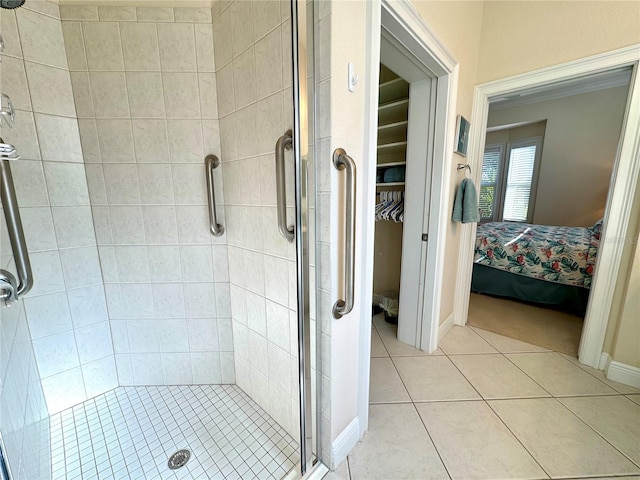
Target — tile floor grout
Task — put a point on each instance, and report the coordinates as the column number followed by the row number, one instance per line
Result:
column 504, row 354
column 220, row 424
column 482, row 399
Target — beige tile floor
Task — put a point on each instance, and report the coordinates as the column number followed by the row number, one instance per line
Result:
column 484, row 406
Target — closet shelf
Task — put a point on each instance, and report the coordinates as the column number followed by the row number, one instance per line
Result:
column 394, row 104
column 392, row 147
column 393, row 126
column 391, row 83
column 392, row 133
column 393, row 89
column 390, row 164
column 393, row 112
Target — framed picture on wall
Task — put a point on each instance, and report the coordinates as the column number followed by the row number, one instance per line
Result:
column 462, row 135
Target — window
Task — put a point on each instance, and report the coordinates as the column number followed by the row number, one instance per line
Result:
column 507, row 192
column 489, row 187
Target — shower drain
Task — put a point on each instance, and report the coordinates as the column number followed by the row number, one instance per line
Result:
column 179, row 459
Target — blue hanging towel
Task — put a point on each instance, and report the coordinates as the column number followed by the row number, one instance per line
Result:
column 465, row 206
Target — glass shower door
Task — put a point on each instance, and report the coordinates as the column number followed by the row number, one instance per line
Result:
column 162, row 330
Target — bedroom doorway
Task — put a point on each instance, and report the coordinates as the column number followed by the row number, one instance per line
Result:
column 537, row 240
column 545, row 206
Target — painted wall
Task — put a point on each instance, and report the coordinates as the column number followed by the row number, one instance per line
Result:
column 583, row 29
column 520, row 36
column 625, row 347
column 459, row 25
column 341, row 125
column 387, row 258
column 580, row 144
column 491, row 41
column 66, row 309
column 144, row 85
column 252, row 55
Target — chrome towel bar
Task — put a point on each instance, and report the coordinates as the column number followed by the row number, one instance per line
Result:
column 342, row 161
column 211, row 162
column 285, row 142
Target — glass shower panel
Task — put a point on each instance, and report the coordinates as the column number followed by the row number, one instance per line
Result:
column 147, row 343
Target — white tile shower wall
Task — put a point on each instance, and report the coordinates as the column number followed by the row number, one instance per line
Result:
column 24, row 420
column 252, row 44
column 144, row 84
column 66, row 309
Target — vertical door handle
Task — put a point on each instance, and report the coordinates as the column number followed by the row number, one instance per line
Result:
column 285, row 142
column 342, row 161
column 211, row 162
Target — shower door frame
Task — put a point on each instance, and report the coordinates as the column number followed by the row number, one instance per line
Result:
column 302, row 53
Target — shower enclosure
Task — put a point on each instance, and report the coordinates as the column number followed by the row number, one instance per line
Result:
column 162, row 159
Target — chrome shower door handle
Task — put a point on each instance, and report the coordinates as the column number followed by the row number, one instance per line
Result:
column 342, row 161
column 285, row 142
column 14, row 224
column 211, row 162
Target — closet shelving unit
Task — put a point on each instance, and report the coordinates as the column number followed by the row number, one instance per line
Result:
column 393, row 113
column 393, row 110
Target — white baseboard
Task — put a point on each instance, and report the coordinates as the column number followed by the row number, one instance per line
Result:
column 605, row 358
column 623, row 373
column 445, row 326
column 344, row 443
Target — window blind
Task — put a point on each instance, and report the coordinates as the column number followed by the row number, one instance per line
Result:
column 490, row 171
column 518, row 186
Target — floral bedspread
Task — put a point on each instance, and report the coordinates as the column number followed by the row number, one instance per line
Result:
column 564, row 255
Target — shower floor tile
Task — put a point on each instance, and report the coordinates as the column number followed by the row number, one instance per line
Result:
column 130, row 432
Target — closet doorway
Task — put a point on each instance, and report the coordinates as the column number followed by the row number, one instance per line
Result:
column 403, row 186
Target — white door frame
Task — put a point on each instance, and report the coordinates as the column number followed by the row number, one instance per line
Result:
column 623, row 184
column 402, row 21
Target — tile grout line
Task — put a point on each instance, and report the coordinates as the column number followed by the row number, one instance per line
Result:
column 415, row 409
column 435, row 447
column 580, row 366
column 145, row 406
column 525, row 373
column 484, row 400
column 534, row 398
column 380, row 337
column 637, row 464
column 518, row 440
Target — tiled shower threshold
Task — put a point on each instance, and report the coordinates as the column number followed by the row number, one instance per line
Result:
column 130, row 433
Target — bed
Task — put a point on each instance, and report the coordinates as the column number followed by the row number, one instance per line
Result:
column 536, row 263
